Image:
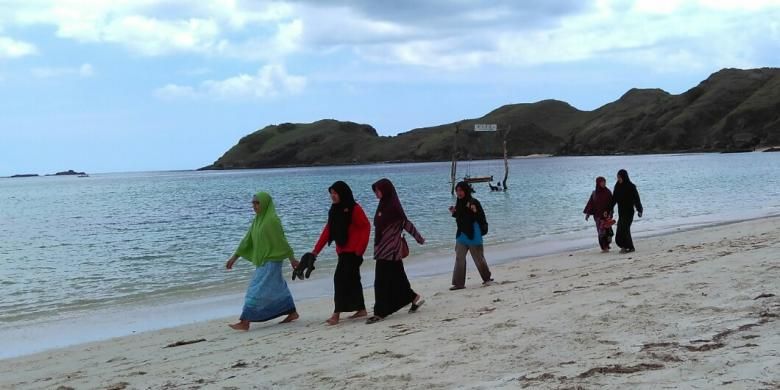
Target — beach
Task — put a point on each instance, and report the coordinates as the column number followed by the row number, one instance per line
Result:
column 693, row 309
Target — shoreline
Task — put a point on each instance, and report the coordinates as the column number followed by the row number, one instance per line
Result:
column 212, row 168
column 171, row 311
column 209, row 168
column 656, row 302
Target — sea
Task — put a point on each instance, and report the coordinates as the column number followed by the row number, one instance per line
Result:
column 86, row 259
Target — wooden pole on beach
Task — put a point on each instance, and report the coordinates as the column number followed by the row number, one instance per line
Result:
column 454, row 167
column 506, row 158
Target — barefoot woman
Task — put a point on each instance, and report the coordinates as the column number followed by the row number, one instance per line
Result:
column 266, row 247
column 348, row 226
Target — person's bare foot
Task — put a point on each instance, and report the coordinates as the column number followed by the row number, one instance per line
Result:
column 290, row 318
column 241, row 325
column 359, row 314
column 333, row 320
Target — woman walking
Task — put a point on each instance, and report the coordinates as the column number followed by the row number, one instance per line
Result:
column 626, row 197
column 392, row 290
column 472, row 224
column 348, row 226
column 600, row 207
column 266, row 247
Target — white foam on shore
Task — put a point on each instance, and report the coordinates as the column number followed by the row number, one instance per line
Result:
column 82, row 327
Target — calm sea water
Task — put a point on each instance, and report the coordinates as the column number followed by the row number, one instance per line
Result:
column 74, row 246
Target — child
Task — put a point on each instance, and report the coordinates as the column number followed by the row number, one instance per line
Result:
column 606, row 225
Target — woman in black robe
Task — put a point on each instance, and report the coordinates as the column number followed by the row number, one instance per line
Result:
column 626, row 197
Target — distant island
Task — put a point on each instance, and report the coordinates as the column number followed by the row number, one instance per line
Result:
column 69, row 172
column 732, row 110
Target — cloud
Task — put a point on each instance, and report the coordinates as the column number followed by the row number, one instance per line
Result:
column 434, row 34
column 270, row 81
column 11, row 48
column 684, row 35
column 83, row 71
column 286, row 39
column 150, row 36
column 86, row 70
column 154, row 27
column 173, row 91
column 453, row 16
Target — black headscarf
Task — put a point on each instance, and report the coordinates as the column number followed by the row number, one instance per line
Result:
column 389, row 209
column 623, row 174
column 625, row 195
column 460, row 205
column 340, row 214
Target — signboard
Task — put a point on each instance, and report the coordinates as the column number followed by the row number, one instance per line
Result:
column 485, row 127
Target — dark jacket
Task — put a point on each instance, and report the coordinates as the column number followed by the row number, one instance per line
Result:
column 626, row 197
column 465, row 217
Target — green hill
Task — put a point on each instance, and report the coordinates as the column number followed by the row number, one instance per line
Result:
column 733, row 109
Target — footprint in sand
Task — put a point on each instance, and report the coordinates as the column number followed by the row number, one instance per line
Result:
column 118, row 386
column 508, row 324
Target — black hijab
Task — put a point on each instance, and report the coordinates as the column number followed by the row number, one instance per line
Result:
column 625, row 195
column 460, row 204
column 623, row 174
column 340, row 214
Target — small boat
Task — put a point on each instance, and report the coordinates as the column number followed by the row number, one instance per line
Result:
column 83, row 175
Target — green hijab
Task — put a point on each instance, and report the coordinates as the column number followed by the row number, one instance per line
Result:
column 265, row 240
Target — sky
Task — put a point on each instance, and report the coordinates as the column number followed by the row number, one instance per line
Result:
column 137, row 85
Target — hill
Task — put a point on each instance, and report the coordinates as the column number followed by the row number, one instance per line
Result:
column 733, row 109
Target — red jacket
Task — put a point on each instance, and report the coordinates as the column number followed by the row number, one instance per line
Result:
column 357, row 235
column 599, row 202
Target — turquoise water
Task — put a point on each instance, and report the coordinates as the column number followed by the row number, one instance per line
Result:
column 74, row 246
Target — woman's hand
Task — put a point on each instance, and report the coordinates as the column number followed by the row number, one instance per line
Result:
column 452, row 209
column 294, row 263
column 231, row 261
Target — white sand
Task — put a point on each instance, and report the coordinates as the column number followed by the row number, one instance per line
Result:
column 680, row 313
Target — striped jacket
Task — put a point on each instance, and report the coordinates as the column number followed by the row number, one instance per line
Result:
column 389, row 246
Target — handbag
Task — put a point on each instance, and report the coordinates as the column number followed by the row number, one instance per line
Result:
column 404, row 247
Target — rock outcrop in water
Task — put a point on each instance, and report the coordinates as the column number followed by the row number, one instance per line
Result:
column 732, row 110
column 69, row 172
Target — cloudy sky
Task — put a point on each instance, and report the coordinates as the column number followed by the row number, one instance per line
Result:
column 128, row 85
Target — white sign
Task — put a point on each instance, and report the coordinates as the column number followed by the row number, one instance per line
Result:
column 485, row 127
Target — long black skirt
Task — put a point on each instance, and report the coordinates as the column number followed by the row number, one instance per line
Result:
column 391, row 288
column 346, row 284
column 623, row 235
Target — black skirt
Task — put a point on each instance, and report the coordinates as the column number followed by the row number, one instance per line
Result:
column 346, row 284
column 391, row 288
column 623, row 235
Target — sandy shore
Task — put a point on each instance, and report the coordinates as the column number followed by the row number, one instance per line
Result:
column 689, row 310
